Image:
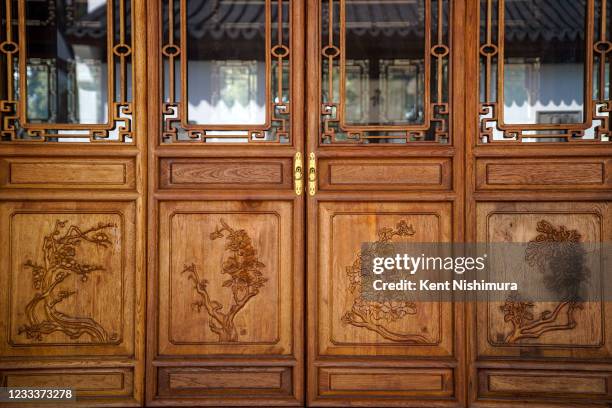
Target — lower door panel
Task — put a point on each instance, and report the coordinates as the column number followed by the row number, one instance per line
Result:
column 69, row 293
column 368, row 352
column 558, row 349
column 228, row 294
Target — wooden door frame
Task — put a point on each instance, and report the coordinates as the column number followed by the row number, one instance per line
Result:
column 158, row 193
column 454, row 195
column 62, row 194
column 474, row 194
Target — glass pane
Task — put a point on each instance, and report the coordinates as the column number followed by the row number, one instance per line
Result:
column 544, row 61
column 384, row 62
column 226, row 70
column 67, row 69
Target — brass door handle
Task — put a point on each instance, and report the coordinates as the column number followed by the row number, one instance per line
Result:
column 312, row 174
column 298, row 173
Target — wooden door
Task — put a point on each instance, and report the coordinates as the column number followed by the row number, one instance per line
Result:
column 72, row 198
column 385, row 146
column 539, row 158
column 226, row 215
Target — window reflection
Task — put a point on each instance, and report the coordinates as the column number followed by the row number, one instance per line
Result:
column 384, row 62
column 67, row 65
column 227, row 92
column 226, row 67
column 544, row 61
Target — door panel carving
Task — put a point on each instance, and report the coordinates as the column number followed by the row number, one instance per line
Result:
column 60, row 263
column 70, row 290
column 583, row 386
column 350, row 325
column 244, row 279
column 88, row 383
column 228, row 328
column 226, row 278
column 568, row 327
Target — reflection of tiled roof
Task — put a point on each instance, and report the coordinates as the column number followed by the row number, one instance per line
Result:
column 551, row 20
column 560, row 20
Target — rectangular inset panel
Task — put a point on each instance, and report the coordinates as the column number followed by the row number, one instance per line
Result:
column 206, row 381
column 544, row 78
column 69, row 285
column 226, row 173
column 347, row 324
column 544, row 174
column 106, row 382
column 493, row 383
column 226, row 278
column 384, row 87
column 387, row 174
column 239, row 92
column 385, row 382
column 40, row 172
column 72, row 85
column 67, row 79
column 572, row 326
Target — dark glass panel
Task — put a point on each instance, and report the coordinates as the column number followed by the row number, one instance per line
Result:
column 544, row 61
column 226, row 69
column 384, row 62
column 67, row 61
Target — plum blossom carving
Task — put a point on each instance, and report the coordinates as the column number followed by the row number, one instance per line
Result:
column 375, row 315
column 59, row 264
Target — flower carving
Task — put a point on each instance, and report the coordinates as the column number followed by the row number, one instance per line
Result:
column 374, row 315
column 59, row 264
column 558, row 254
column 245, row 279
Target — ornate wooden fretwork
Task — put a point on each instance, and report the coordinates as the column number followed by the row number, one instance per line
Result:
column 559, row 256
column 14, row 123
column 58, row 266
column 175, row 124
column 244, row 280
column 434, row 126
column 375, row 315
column 596, row 124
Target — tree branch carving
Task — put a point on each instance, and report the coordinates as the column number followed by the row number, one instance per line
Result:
column 374, row 315
column 245, row 280
column 559, row 256
column 59, row 264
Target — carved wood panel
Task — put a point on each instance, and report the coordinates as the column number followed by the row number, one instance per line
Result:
column 227, row 304
column 569, row 327
column 225, row 278
column 69, row 285
column 347, row 324
column 87, row 383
